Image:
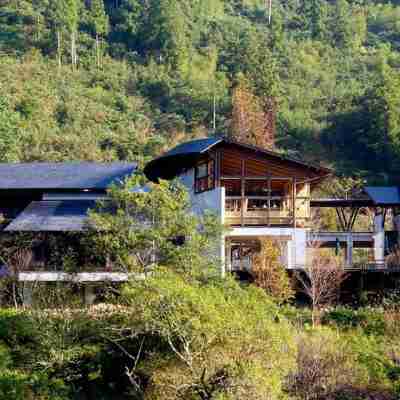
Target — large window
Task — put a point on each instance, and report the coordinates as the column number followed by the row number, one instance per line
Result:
column 204, row 176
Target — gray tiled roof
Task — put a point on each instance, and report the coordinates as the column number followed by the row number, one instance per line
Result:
column 51, row 216
column 63, row 176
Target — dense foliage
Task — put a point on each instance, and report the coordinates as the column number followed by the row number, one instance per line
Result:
column 126, row 79
column 178, row 338
column 123, row 79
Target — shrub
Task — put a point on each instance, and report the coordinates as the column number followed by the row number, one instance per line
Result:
column 323, row 365
column 17, row 385
column 224, row 341
column 370, row 320
column 270, row 274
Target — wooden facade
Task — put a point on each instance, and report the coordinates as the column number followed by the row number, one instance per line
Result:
column 261, row 189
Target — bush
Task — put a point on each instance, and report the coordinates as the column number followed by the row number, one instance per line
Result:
column 17, row 385
column 222, row 340
column 323, row 365
column 370, row 320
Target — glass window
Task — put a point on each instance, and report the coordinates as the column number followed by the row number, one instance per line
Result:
column 256, row 188
column 233, row 188
column 204, row 176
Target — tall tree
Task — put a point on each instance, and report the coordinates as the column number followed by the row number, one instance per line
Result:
column 99, row 25
column 9, row 131
column 252, row 122
column 168, row 31
column 65, row 18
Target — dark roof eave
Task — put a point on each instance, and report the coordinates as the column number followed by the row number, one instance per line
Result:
column 283, row 157
column 187, row 153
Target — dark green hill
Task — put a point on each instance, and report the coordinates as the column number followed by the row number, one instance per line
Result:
column 124, row 79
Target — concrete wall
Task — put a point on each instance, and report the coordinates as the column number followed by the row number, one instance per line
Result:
column 296, row 246
column 211, row 200
column 214, row 200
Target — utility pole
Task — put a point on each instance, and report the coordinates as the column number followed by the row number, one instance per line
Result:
column 269, row 6
column 214, row 113
column 59, row 49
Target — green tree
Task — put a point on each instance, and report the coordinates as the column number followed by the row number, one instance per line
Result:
column 349, row 25
column 9, row 132
column 65, row 17
column 140, row 231
column 168, row 31
column 98, row 24
column 270, row 274
column 206, row 328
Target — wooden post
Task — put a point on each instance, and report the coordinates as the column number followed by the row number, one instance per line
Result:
column 269, row 201
column 294, row 201
column 217, row 168
column 228, row 255
column 242, row 181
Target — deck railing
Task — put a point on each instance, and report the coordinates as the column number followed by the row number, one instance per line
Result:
column 258, row 210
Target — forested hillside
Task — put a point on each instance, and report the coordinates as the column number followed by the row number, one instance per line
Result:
column 126, row 79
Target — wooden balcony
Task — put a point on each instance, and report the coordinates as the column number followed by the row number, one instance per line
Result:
column 258, row 211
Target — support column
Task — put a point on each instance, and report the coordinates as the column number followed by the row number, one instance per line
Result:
column 27, row 294
column 300, row 240
column 379, row 237
column 349, row 249
column 222, row 249
column 228, row 257
column 89, row 294
column 396, row 223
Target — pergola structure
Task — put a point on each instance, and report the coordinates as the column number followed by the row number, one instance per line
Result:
column 378, row 199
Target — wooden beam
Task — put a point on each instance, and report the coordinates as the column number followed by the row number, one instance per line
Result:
column 261, row 177
column 353, row 220
column 341, row 222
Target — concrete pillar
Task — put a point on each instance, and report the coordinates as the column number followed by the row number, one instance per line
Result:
column 300, row 239
column 290, row 252
column 379, row 237
column 27, row 294
column 89, row 295
column 349, row 249
column 228, row 256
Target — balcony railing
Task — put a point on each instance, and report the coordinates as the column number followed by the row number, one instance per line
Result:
column 259, row 210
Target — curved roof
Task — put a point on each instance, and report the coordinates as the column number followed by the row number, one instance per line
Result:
column 181, row 157
column 185, row 155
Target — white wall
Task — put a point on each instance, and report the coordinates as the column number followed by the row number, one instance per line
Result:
column 296, row 250
column 212, row 200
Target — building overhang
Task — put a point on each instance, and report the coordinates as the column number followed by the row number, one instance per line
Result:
column 186, row 155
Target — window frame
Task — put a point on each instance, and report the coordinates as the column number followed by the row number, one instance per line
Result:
column 210, row 163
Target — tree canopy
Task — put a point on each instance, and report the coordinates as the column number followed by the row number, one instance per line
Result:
column 137, row 77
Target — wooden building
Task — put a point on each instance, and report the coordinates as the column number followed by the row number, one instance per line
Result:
column 256, row 192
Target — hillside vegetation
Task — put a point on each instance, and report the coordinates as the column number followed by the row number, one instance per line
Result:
column 126, row 79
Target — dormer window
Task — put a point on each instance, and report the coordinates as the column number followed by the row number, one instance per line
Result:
column 204, row 178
